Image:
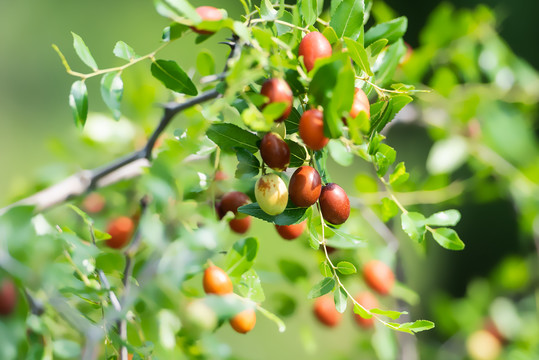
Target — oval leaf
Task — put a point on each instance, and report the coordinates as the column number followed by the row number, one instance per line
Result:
column 83, row 52
column 346, row 268
column 392, row 31
column 229, row 136
column 413, row 224
column 347, row 19
column 111, row 90
column 173, row 77
column 124, row 51
column 340, row 297
column 322, row 288
column 444, row 218
column 291, row 214
column 241, row 257
column 448, row 238
column 78, row 101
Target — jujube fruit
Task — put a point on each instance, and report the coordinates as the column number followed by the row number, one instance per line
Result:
column 312, row 47
column 244, row 321
column 368, row 301
column 325, row 312
column 482, row 345
column 378, row 276
column 240, row 226
column 361, row 103
column 207, row 13
column 305, row 186
column 275, row 152
column 311, row 129
column 277, row 90
column 271, row 194
column 231, row 202
column 291, row 232
column 216, row 281
column 93, row 203
column 120, row 231
column 334, row 204
column 8, row 297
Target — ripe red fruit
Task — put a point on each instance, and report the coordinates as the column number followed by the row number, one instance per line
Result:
column 291, row 232
column 244, row 321
column 378, row 276
column 311, row 129
column 334, row 204
column 120, row 231
column 240, row 226
column 305, row 186
column 312, row 47
column 361, row 103
column 277, row 90
column 231, row 202
column 275, row 151
column 324, row 309
column 8, row 297
column 207, row 13
column 220, row 175
column 368, row 301
column 216, row 281
column 93, row 203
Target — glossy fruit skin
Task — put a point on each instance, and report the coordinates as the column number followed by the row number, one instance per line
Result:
column 216, row 281
column 361, row 103
column 379, row 276
column 368, row 301
column 334, row 204
column 325, row 312
column 278, row 90
column 120, row 230
column 311, row 129
column 291, row 232
column 8, row 297
column 271, row 194
column 207, row 13
column 231, row 201
column 275, row 152
column 240, row 226
column 244, row 321
column 305, row 186
column 312, row 47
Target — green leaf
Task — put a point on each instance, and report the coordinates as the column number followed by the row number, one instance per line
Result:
column 444, row 218
column 112, row 90
column 314, row 242
column 173, row 77
column 325, row 269
column 322, row 288
column 413, row 224
column 226, row 306
column 267, row 12
column 229, row 136
column 389, row 209
column 346, row 268
column 83, row 52
column 292, row 270
column 78, row 101
column 248, row 165
column 291, row 214
column 448, row 238
column 309, row 11
column 66, row 349
column 359, row 55
column 347, row 20
column 392, row 31
column 344, row 240
column 399, row 175
column 280, row 324
column 340, row 153
column 389, row 313
column 298, row 154
column 330, row 34
column 375, row 48
column 173, row 32
column 362, row 312
column 340, row 297
column 241, row 257
column 292, row 122
column 384, row 111
column 282, row 28
column 412, row 327
column 320, row 157
column 124, row 51
column 250, row 287
column 390, row 61
column 293, row 79
column 384, row 157
column 205, row 63
column 184, row 8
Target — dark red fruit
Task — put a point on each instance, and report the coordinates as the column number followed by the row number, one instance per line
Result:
column 240, row 226
column 277, row 90
column 291, row 232
column 311, row 129
column 361, row 103
column 378, row 276
column 275, row 152
column 305, row 186
column 207, row 13
column 244, row 321
column 8, row 297
column 368, row 301
column 120, row 231
column 216, row 281
column 231, row 202
column 334, row 204
column 324, row 309
column 312, row 47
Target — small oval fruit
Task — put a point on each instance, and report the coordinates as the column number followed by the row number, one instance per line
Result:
column 93, row 203
column 305, row 186
column 275, row 152
column 8, row 297
column 312, row 47
column 120, row 231
column 231, row 201
column 278, row 90
column 334, row 204
column 216, row 281
column 240, row 226
column 325, row 311
column 207, row 13
column 244, row 321
column 271, row 194
column 482, row 345
column 361, row 103
column 311, row 129
column 368, row 301
column 291, row 232
column 378, row 276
